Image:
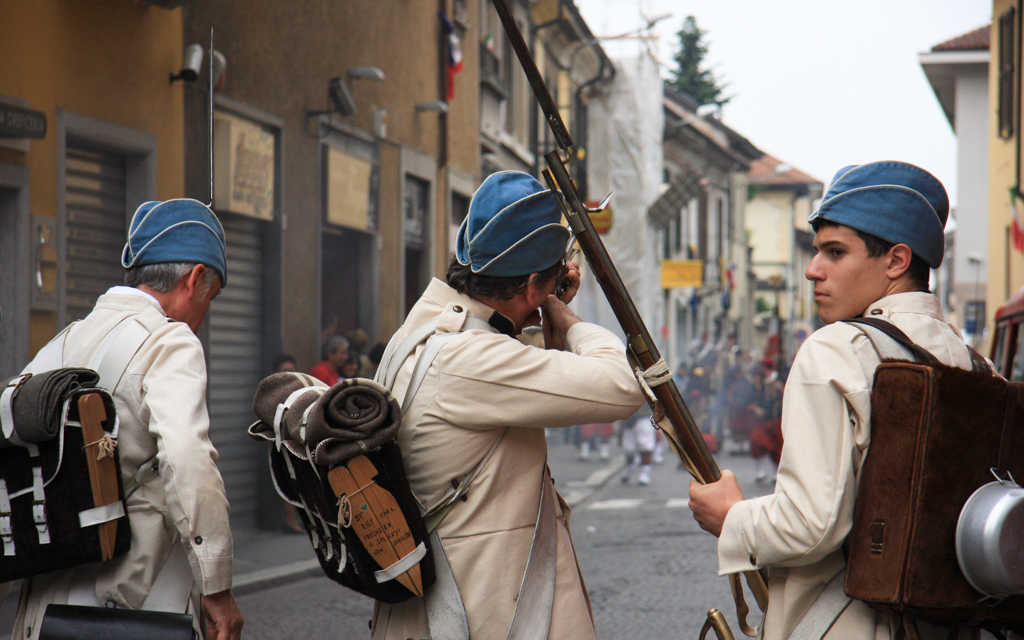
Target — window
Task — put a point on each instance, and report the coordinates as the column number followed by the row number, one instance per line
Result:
column 1007, row 62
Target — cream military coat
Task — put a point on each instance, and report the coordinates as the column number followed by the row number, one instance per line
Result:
column 798, row 531
column 480, row 382
column 161, row 404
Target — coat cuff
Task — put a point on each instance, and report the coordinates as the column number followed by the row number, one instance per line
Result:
column 213, row 575
column 735, row 552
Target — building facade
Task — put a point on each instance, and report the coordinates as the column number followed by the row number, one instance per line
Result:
column 90, row 128
column 700, row 220
column 780, row 199
column 958, row 71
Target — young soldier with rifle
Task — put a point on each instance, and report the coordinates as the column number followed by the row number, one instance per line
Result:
column 879, row 230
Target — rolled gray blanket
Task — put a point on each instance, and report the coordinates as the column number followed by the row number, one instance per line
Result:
column 353, row 417
column 275, row 390
column 37, row 404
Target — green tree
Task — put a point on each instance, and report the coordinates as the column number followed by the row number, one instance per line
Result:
column 689, row 77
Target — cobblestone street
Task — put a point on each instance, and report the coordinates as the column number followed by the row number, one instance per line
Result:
column 651, row 572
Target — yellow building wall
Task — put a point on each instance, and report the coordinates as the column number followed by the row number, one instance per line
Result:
column 104, row 59
column 769, row 222
column 1005, row 268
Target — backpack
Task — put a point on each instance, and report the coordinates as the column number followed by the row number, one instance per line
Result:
column 61, row 492
column 937, row 434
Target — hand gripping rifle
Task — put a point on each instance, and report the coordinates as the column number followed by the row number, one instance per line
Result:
column 670, row 411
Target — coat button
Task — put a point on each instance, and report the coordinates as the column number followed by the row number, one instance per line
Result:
column 457, row 309
column 753, row 559
column 110, row 604
column 199, row 539
column 877, row 312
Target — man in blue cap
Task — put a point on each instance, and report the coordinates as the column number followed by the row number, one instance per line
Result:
column 141, row 337
column 477, row 399
column 879, row 230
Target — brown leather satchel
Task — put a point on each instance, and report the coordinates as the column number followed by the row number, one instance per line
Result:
column 936, row 433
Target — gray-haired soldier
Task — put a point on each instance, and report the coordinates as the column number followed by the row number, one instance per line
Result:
column 181, row 551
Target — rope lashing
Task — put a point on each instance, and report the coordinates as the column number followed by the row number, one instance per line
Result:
column 655, row 375
column 105, row 445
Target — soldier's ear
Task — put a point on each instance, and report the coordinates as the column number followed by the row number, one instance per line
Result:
column 899, row 257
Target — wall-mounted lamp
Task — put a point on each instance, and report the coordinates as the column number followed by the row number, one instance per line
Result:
column 440, row 106
column 366, row 73
column 191, row 63
column 342, row 100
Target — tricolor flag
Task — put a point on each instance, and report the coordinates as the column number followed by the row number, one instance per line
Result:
column 1016, row 221
column 455, row 63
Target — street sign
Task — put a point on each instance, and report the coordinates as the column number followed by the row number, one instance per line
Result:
column 679, row 274
column 16, row 122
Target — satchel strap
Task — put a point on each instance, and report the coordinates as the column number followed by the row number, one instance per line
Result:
column 824, row 611
column 918, row 354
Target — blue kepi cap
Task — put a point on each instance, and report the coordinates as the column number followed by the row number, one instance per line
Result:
column 180, row 230
column 513, row 227
column 891, row 200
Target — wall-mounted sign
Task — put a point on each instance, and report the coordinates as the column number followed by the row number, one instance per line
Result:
column 679, row 274
column 243, row 155
column 16, row 122
column 602, row 219
column 349, row 190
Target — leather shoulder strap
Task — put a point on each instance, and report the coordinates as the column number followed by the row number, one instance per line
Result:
column 919, row 354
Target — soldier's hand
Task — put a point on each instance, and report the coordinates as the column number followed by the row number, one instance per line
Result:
column 557, row 320
column 572, row 282
column 710, row 503
column 223, row 617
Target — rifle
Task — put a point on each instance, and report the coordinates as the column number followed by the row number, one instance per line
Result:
column 670, row 411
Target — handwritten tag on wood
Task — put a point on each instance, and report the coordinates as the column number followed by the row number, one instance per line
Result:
column 376, row 518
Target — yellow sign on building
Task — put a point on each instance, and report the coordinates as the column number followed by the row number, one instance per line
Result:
column 244, row 160
column 348, row 190
column 679, row 274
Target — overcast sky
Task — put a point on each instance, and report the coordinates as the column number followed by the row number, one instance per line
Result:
column 819, row 84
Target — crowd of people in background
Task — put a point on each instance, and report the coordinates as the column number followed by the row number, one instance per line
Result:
column 341, row 357
column 735, row 401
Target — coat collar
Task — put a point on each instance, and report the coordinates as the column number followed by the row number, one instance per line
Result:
column 920, row 302
column 457, row 306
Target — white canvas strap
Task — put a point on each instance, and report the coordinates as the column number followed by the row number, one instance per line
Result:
column 419, row 372
column 99, row 515
column 885, row 346
column 403, row 565
column 824, row 611
column 110, row 364
column 7, row 410
column 388, row 371
column 39, row 506
column 6, row 526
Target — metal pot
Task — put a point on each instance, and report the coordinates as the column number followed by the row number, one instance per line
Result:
column 990, row 539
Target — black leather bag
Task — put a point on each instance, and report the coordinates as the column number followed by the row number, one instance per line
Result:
column 70, row 622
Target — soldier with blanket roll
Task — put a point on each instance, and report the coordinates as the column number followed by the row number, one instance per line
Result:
column 483, row 405
column 181, row 550
column 879, row 229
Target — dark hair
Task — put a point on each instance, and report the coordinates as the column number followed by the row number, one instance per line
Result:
column 462, row 279
column 377, row 353
column 281, row 359
column 918, row 271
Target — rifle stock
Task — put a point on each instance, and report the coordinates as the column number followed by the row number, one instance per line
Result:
column 677, row 423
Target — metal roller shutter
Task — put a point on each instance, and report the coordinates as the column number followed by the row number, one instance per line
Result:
column 95, row 203
column 235, row 361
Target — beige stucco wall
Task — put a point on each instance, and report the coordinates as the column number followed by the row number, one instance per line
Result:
column 1005, row 270
column 105, row 60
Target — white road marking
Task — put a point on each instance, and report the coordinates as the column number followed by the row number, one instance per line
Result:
column 625, row 503
column 678, row 503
